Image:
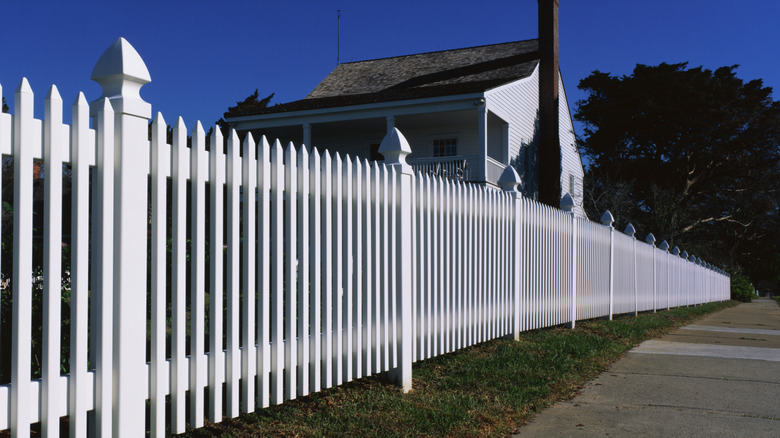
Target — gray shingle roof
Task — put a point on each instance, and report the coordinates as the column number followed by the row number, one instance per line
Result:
column 448, row 72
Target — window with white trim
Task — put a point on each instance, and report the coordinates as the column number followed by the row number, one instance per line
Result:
column 445, row 146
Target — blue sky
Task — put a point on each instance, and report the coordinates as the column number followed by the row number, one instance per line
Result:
column 204, row 56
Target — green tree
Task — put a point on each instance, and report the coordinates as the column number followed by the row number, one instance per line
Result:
column 689, row 154
column 253, row 104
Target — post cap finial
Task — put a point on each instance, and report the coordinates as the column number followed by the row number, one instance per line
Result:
column 664, row 246
column 607, row 218
column 630, row 230
column 395, row 148
column 567, row 203
column 121, row 72
column 650, row 239
column 676, row 251
column 509, row 179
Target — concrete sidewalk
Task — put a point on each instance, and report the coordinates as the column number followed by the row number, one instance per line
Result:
column 719, row 377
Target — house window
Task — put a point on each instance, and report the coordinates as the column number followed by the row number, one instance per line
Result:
column 572, row 185
column 445, row 147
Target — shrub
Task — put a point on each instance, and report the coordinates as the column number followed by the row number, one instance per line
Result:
column 741, row 288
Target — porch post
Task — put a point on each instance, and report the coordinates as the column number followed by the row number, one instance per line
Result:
column 307, row 135
column 121, row 72
column 481, row 174
column 395, row 148
column 390, row 124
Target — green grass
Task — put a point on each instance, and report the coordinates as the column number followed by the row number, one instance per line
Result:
column 486, row 390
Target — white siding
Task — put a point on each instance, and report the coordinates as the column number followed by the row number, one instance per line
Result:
column 518, row 104
column 571, row 164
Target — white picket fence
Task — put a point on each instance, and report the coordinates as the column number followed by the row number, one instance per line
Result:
column 321, row 268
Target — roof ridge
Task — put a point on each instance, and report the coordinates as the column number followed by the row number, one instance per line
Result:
column 440, row 51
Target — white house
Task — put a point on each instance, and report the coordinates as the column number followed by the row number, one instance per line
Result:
column 467, row 113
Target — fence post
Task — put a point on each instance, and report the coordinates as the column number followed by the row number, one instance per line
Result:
column 630, row 230
column 567, row 205
column 121, row 72
column 509, row 182
column 664, row 246
column 678, row 284
column 607, row 220
column 650, row 239
column 395, row 148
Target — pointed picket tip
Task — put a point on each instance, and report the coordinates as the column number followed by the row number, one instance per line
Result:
column 509, row 180
column 80, row 100
column 101, row 105
column 217, row 140
column 121, row 59
column 567, row 203
column 630, row 230
column 249, row 140
column 650, row 239
column 607, row 218
column 180, row 124
column 664, row 246
column 198, row 128
column 264, row 142
column 53, row 94
column 24, row 87
column 159, row 119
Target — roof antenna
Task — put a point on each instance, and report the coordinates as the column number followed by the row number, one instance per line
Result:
column 338, row 38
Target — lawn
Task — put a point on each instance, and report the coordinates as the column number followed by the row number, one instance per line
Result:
column 486, row 390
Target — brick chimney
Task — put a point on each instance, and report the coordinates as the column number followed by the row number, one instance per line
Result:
column 549, row 140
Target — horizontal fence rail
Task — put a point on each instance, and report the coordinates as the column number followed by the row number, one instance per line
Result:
column 215, row 276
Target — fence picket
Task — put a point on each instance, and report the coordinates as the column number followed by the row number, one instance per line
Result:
column 52, row 258
column 216, row 271
column 264, row 241
column 157, row 378
column 315, row 206
column 78, row 398
column 277, row 274
column 103, row 272
column 347, row 268
column 290, row 272
column 198, row 172
column 248, row 274
column 303, row 327
column 179, row 280
column 233, row 246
